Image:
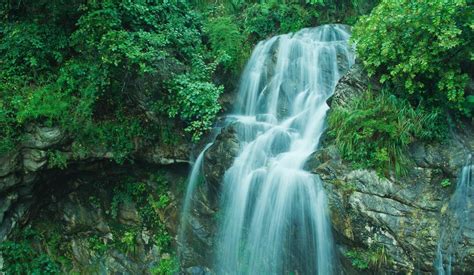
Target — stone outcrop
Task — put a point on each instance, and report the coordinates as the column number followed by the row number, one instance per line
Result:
column 352, row 84
column 83, row 219
column 23, row 169
column 403, row 215
column 220, row 156
column 197, row 248
column 396, row 221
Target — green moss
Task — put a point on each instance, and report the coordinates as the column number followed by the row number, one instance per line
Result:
column 347, row 187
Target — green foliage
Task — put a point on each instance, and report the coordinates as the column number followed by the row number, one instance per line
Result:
column 20, row 258
column 149, row 207
column 445, row 183
column 57, row 159
column 128, row 241
column 109, row 72
column 422, row 49
column 236, row 26
column 95, row 68
column 166, row 266
column 194, row 98
column 374, row 131
column 7, row 130
column 357, row 259
column 374, row 258
column 119, row 136
column 269, row 18
column 97, row 244
column 228, row 41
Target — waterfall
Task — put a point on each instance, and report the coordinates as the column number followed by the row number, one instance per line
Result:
column 457, row 218
column 274, row 214
column 192, row 184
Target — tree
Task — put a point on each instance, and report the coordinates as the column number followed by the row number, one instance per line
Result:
column 420, row 48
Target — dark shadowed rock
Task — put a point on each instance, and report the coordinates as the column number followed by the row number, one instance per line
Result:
column 220, row 156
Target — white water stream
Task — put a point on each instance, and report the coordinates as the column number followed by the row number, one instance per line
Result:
column 274, row 214
column 458, row 217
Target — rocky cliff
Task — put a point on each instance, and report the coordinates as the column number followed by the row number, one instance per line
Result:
column 381, row 224
column 396, row 220
column 68, row 203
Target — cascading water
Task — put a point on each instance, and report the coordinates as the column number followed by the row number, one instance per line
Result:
column 192, row 183
column 274, row 214
column 458, row 217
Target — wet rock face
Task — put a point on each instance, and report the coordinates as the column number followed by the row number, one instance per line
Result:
column 198, row 243
column 218, row 158
column 96, row 225
column 403, row 215
column 352, row 84
column 22, row 170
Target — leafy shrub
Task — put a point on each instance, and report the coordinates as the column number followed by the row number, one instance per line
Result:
column 95, row 68
column 374, row 131
column 194, row 98
column 358, row 260
column 445, row 183
column 128, row 241
column 166, row 266
column 20, row 258
column 420, row 48
column 270, row 18
column 374, row 258
column 57, row 159
column 227, row 41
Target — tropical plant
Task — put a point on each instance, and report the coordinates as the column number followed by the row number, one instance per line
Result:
column 19, row 257
column 422, row 49
column 227, row 41
column 96, row 69
column 374, row 131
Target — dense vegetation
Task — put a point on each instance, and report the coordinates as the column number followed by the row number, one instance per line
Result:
column 116, row 74
column 421, row 49
column 422, row 53
column 102, row 69
column 374, row 131
column 43, row 247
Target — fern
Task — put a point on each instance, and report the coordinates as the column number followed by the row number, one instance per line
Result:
column 374, row 131
column 227, row 41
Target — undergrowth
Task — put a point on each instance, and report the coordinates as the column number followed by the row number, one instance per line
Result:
column 375, row 130
column 45, row 246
